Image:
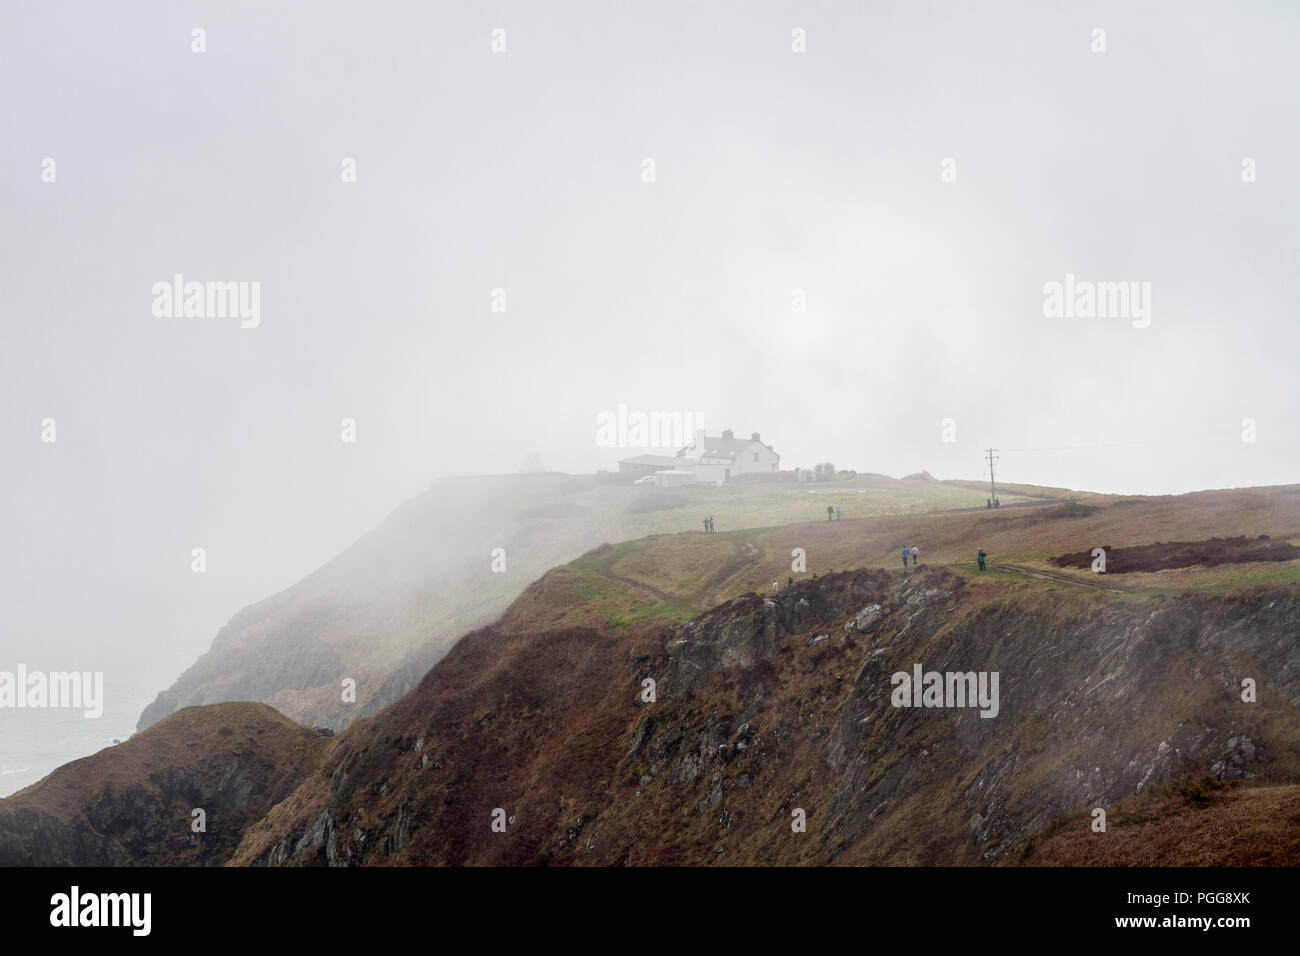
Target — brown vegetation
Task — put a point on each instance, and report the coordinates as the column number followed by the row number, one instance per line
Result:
column 1192, row 824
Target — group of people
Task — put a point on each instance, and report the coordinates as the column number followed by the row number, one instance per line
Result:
column 708, row 525
column 916, row 556
column 833, row 512
column 991, row 503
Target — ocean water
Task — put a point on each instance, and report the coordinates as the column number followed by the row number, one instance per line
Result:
column 34, row 741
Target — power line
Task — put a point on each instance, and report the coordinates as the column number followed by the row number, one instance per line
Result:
column 992, row 456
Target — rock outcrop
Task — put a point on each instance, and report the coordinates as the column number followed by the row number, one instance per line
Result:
column 769, row 706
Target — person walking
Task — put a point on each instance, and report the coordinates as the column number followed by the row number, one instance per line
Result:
column 916, row 556
column 829, row 512
column 904, row 556
column 706, row 525
column 789, row 583
column 980, row 556
column 838, row 514
column 774, row 587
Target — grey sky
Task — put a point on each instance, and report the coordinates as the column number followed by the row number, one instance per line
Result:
column 775, row 171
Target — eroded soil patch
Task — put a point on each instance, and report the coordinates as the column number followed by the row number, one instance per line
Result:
column 1209, row 553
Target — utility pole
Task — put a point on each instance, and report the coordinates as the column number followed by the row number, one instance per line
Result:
column 992, row 455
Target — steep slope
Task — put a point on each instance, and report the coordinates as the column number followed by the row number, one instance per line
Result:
column 404, row 585
column 386, row 609
column 770, row 704
column 133, row 803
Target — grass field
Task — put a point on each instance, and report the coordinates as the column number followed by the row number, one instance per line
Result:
column 676, row 576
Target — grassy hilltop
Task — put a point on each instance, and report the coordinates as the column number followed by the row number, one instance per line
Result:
column 388, row 607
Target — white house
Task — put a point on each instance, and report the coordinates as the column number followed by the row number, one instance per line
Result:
column 712, row 460
column 726, row 456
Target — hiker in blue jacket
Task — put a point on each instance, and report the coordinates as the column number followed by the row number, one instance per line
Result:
column 904, row 556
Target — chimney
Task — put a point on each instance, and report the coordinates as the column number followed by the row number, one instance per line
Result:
column 753, row 436
column 728, row 434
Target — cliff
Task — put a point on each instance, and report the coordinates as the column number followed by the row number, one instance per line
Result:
column 771, row 704
column 133, row 803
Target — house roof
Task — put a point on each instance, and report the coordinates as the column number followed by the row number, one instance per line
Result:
column 719, row 447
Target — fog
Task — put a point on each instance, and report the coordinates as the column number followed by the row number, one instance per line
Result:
column 778, row 177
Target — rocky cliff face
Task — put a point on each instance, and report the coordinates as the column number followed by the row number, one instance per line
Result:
column 134, row 803
column 1096, row 704
column 771, row 708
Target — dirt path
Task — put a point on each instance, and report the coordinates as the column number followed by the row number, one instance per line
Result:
column 639, row 585
column 746, row 556
column 747, row 553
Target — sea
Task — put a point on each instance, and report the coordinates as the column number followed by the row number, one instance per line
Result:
column 35, row 741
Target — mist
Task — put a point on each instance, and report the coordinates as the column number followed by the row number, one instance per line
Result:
column 501, row 271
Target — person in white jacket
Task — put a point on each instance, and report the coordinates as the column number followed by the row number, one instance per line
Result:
column 915, row 555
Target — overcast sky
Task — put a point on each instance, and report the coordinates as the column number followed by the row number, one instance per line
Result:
column 525, row 170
